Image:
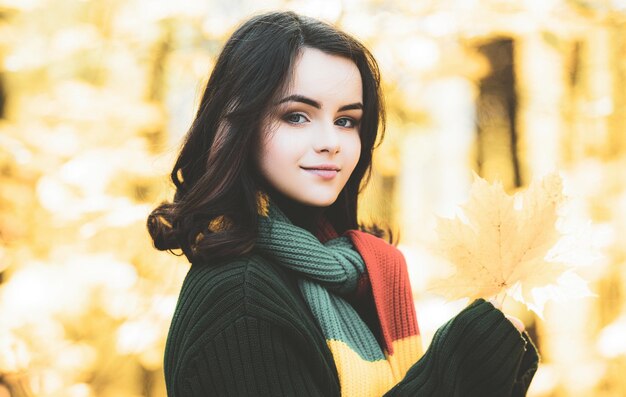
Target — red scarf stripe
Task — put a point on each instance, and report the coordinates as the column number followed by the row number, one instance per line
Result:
column 391, row 288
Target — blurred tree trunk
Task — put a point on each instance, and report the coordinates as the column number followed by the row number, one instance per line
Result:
column 157, row 82
column 497, row 155
column 617, row 119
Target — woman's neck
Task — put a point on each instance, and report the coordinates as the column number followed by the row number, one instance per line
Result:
column 301, row 215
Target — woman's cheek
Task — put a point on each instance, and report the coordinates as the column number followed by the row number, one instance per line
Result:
column 355, row 151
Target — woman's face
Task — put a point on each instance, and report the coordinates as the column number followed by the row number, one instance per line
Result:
column 317, row 126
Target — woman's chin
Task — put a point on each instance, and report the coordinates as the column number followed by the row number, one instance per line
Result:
column 320, row 201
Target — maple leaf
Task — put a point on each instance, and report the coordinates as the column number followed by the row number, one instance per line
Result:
column 506, row 244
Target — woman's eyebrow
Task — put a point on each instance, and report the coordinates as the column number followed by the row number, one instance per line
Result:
column 315, row 104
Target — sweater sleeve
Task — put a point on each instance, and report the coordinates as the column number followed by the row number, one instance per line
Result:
column 250, row 357
column 477, row 353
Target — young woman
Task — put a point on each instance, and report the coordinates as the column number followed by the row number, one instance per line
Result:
column 287, row 294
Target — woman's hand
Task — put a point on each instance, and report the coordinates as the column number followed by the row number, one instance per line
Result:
column 516, row 321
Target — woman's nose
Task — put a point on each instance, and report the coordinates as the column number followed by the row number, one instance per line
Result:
column 327, row 139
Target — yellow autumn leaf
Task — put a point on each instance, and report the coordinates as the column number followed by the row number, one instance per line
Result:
column 506, row 244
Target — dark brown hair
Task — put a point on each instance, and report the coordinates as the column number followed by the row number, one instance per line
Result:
column 214, row 212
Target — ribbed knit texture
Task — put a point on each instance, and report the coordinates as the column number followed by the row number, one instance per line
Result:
column 243, row 328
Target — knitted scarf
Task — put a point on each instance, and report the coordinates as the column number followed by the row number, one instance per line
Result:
column 356, row 267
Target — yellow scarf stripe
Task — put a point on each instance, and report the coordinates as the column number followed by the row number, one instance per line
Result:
column 374, row 378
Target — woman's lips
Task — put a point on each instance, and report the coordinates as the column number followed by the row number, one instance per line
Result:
column 324, row 174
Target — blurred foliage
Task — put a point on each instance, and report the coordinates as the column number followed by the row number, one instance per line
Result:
column 95, row 96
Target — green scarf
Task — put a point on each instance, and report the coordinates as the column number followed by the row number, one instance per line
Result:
column 356, row 265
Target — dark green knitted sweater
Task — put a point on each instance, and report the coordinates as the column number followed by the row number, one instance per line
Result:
column 243, row 329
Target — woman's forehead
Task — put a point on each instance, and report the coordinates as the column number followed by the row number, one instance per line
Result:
column 325, row 78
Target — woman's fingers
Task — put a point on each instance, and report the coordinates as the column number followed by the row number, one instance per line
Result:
column 495, row 303
column 517, row 322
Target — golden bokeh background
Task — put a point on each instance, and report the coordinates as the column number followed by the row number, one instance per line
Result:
column 95, row 96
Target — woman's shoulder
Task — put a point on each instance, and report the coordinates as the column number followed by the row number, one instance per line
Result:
column 248, row 284
column 243, row 306
column 253, row 288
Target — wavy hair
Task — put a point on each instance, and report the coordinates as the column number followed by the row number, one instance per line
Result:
column 213, row 215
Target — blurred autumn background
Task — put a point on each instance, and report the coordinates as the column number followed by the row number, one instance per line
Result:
column 95, row 96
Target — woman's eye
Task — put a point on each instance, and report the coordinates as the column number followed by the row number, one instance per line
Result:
column 295, row 118
column 346, row 122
